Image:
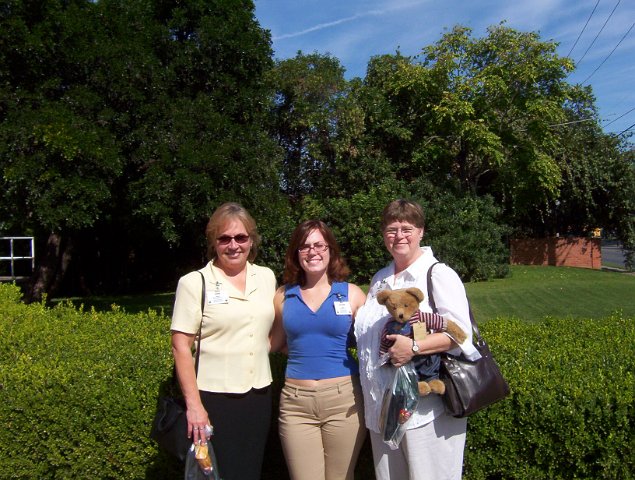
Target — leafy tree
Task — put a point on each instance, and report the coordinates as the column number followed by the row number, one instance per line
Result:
column 318, row 121
column 204, row 141
column 476, row 112
column 496, row 117
column 138, row 117
column 467, row 232
column 358, row 164
column 304, row 118
column 598, row 179
column 58, row 163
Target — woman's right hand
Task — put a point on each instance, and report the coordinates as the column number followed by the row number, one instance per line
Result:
column 197, row 418
column 198, row 424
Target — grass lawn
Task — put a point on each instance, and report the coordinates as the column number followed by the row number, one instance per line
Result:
column 534, row 292
column 129, row 303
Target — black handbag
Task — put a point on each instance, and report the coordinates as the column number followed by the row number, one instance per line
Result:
column 169, row 427
column 470, row 385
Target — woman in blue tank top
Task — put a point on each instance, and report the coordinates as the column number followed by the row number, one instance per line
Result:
column 321, row 419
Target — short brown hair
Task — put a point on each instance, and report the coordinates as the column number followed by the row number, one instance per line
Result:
column 293, row 272
column 224, row 213
column 401, row 210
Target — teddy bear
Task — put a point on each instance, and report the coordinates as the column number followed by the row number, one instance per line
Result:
column 402, row 304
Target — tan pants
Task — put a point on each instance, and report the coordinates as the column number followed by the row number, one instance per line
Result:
column 322, row 430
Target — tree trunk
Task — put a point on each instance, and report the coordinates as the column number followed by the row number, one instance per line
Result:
column 50, row 270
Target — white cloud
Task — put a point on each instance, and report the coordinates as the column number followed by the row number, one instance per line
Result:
column 357, row 16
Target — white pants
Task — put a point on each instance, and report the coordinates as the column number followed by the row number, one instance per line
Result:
column 430, row 452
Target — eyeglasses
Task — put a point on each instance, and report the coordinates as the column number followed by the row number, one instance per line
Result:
column 405, row 231
column 226, row 239
column 319, row 247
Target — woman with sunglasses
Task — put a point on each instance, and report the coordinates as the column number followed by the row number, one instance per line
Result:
column 231, row 391
column 321, row 419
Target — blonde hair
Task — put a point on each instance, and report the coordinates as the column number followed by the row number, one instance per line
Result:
column 226, row 212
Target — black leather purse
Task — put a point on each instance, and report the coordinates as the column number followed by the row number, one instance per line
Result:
column 169, row 427
column 470, row 385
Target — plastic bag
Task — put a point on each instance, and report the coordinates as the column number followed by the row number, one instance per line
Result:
column 200, row 462
column 399, row 403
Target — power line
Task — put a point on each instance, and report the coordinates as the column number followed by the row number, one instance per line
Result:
column 607, row 57
column 589, row 119
column 583, row 28
column 596, row 37
column 626, row 130
column 616, row 119
column 572, row 122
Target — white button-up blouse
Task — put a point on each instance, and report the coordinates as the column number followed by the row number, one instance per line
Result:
column 451, row 302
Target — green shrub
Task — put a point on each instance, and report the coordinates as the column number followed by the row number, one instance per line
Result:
column 571, row 410
column 463, row 231
column 78, row 391
column 467, row 234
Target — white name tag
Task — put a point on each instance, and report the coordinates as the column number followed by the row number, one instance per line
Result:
column 342, row 308
column 217, row 297
column 378, row 287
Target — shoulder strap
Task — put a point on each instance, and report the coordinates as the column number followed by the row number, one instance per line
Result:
column 430, row 296
column 200, row 328
column 434, row 306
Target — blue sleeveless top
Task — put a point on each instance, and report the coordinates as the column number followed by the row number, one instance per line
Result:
column 317, row 341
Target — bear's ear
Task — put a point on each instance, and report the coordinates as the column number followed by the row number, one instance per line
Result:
column 415, row 292
column 383, row 296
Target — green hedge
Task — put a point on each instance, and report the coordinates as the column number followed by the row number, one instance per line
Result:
column 571, row 411
column 78, row 391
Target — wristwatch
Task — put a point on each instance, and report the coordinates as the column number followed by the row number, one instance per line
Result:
column 415, row 347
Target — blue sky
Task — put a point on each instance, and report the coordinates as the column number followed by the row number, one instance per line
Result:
column 599, row 35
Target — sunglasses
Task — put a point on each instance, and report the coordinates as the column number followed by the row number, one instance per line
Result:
column 226, row 239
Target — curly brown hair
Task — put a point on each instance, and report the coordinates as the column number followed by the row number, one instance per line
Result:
column 293, row 273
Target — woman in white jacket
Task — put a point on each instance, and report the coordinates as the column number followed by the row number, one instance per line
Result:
column 432, row 448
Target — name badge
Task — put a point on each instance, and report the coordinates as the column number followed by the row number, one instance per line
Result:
column 378, row 287
column 217, row 297
column 343, row 308
column 419, row 331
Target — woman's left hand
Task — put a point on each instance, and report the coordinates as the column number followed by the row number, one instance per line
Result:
column 401, row 351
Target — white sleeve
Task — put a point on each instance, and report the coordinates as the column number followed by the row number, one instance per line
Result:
column 451, row 302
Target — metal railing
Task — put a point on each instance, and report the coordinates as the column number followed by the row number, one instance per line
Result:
column 12, row 257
